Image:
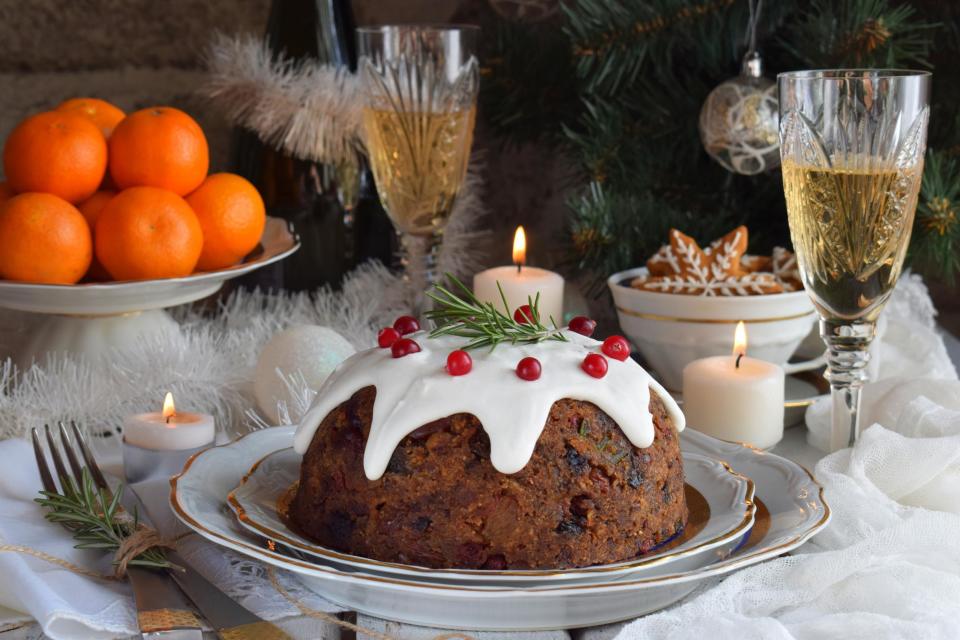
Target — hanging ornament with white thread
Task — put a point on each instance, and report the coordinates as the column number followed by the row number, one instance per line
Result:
column 740, row 119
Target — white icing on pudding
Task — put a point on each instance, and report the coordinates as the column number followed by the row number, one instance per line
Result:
column 416, row 389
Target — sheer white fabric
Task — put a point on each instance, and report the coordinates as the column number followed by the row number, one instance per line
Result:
column 888, row 565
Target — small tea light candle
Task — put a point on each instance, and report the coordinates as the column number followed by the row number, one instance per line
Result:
column 168, row 430
column 521, row 283
column 735, row 398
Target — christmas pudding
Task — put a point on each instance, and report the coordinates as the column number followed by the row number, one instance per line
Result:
column 491, row 443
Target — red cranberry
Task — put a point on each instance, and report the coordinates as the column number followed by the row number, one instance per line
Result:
column 595, row 365
column 523, row 314
column 459, row 363
column 387, row 337
column 528, row 369
column 616, row 347
column 582, row 325
column 404, row 347
column 406, row 324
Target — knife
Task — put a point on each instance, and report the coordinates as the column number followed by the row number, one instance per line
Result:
column 162, row 612
column 229, row 620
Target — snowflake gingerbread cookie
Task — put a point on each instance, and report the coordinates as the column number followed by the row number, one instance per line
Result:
column 721, row 269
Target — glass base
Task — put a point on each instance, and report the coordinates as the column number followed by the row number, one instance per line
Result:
column 847, row 357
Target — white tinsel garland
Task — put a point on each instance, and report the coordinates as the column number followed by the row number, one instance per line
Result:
column 309, row 110
column 208, row 365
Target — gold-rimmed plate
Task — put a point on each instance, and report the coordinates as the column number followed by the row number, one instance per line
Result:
column 792, row 511
column 721, row 514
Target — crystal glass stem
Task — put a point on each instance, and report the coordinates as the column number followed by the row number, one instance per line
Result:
column 847, row 357
column 420, row 262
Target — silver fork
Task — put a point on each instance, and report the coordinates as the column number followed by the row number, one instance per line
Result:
column 161, row 609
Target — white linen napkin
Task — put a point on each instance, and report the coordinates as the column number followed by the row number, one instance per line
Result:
column 888, row 565
column 71, row 606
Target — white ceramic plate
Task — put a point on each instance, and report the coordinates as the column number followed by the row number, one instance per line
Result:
column 108, row 298
column 722, row 512
column 792, row 510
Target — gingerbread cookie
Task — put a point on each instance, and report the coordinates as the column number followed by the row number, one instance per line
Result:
column 722, row 269
column 785, row 268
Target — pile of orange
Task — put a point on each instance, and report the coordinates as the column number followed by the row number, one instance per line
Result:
column 92, row 193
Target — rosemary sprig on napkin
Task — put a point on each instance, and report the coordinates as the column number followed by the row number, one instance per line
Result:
column 462, row 314
column 97, row 520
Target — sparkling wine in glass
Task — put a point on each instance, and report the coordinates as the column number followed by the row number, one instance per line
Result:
column 420, row 94
column 852, row 143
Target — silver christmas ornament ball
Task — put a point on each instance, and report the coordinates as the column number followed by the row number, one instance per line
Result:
column 740, row 120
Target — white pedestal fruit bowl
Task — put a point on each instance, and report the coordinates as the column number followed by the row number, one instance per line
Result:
column 89, row 319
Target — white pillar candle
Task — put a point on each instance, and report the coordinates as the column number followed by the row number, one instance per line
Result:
column 168, row 430
column 521, row 283
column 735, row 401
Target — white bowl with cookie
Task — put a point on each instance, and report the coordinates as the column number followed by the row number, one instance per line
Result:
column 674, row 317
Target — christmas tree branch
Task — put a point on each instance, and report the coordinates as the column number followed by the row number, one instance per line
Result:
column 935, row 247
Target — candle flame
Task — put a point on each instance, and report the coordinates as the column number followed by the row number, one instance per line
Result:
column 740, row 340
column 519, row 247
column 169, row 409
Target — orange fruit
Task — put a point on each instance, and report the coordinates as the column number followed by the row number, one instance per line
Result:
column 5, row 192
column 99, row 112
column 43, row 239
column 145, row 233
column 159, row 147
column 232, row 216
column 91, row 208
column 56, row 152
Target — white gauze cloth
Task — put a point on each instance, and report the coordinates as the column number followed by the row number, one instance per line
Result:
column 888, row 565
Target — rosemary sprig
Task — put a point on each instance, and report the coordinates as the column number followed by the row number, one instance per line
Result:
column 96, row 518
column 457, row 312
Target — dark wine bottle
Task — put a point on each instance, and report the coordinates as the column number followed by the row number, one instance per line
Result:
column 333, row 207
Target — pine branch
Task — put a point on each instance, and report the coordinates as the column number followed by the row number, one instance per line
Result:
column 859, row 33
column 529, row 87
column 618, row 42
column 935, row 247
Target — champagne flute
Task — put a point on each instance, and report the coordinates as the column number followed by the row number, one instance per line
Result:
column 852, row 143
column 420, row 91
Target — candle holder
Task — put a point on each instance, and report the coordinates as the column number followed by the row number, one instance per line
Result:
column 141, row 464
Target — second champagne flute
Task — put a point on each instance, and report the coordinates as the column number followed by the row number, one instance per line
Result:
column 852, row 144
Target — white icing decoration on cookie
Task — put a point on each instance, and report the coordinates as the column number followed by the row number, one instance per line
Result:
column 416, row 389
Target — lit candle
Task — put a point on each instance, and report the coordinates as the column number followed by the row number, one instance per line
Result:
column 168, row 430
column 521, row 283
column 735, row 398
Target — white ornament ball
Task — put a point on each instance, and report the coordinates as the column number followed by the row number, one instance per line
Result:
column 312, row 351
column 739, row 125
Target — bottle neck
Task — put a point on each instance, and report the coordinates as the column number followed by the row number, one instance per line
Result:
column 323, row 30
